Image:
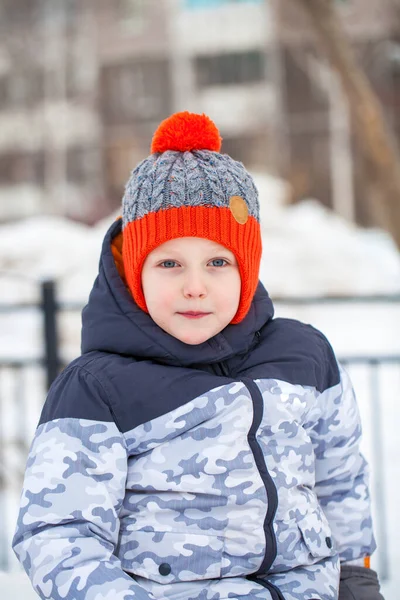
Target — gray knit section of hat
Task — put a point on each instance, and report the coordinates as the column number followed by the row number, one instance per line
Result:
column 197, row 178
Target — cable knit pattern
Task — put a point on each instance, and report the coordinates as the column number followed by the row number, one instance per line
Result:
column 207, row 163
column 198, row 178
column 195, row 182
column 133, row 206
column 175, row 186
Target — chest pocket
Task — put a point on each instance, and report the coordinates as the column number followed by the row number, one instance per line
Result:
column 169, row 557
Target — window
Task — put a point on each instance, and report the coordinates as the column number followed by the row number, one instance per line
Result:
column 60, row 13
column 230, row 69
column 239, row 147
column 19, row 168
column 393, row 56
column 83, row 165
column 21, row 88
column 16, row 14
column 3, row 91
column 80, row 72
column 137, row 91
column 132, row 15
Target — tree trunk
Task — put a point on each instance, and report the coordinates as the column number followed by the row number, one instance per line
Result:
column 373, row 134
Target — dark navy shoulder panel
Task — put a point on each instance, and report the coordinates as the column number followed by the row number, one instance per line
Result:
column 140, row 391
column 76, row 393
column 292, row 351
column 104, row 386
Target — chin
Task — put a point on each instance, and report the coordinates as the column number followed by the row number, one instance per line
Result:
column 194, row 339
column 194, row 342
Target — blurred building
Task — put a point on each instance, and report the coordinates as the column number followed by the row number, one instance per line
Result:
column 134, row 83
column 50, row 130
column 84, row 84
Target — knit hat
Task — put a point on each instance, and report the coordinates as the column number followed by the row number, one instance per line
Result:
column 186, row 188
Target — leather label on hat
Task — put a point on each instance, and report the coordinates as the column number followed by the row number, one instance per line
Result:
column 239, row 210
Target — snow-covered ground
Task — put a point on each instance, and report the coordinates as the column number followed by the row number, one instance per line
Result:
column 308, row 251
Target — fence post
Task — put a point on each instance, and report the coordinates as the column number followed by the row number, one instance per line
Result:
column 378, row 460
column 49, row 309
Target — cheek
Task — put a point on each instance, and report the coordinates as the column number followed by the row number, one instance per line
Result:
column 165, row 300
column 230, row 292
column 158, row 295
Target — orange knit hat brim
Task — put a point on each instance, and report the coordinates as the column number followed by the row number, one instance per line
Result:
column 214, row 223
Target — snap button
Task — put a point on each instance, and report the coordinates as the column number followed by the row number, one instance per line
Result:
column 164, row 569
column 328, row 541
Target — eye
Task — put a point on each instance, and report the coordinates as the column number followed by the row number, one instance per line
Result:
column 219, row 262
column 168, row 264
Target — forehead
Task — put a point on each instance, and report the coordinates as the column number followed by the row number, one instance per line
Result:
column 190, row 244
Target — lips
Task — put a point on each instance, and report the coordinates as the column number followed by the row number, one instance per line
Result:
column 191, row 314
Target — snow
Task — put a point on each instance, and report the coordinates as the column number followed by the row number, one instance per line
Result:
column 308, row 251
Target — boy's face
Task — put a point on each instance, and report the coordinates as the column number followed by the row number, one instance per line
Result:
column 192, row 288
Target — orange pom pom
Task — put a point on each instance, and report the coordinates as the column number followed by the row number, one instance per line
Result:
column 185, row 131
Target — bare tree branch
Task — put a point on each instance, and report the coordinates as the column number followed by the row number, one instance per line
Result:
column 373, row 134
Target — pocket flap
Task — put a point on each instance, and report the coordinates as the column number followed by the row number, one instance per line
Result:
column 169, row 557
column 317, row 534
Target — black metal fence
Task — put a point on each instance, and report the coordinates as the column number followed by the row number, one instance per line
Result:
column 47, row 367
column 24, row 376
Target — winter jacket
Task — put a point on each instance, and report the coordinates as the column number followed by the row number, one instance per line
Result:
column 230, row 469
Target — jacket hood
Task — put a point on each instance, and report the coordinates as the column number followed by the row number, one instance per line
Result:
column 112, row 322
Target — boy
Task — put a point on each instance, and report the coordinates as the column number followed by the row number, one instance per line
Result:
column 198, row 448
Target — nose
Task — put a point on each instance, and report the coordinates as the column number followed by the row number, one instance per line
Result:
column 194, row 285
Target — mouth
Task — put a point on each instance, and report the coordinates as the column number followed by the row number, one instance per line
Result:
column 193, row 314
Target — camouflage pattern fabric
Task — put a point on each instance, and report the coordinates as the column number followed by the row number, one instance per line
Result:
column 184, row 491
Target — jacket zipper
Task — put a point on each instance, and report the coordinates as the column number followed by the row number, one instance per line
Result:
column 272, row 496
column 276, row 594
column 223, row 367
